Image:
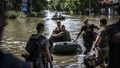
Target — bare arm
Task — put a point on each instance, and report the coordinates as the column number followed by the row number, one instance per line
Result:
column 48, row 54
column 96, row 27
column 57, row 35
column 78, row 35
column 97, row 41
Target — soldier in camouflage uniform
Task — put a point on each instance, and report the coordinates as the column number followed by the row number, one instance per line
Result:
column 41, row 53
column 102, row 42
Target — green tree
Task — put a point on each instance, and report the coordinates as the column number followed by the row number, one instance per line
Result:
column 75, row 6
column 38, row 5
column 15, row 4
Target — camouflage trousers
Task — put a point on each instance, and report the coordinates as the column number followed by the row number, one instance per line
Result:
column 40, row 62
column 103, row 54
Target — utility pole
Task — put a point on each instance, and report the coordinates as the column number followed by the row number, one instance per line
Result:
column 2, row 4
column 31, row 6
column 89, row 7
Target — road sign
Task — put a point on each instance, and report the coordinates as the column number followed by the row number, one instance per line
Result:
column 24, row 7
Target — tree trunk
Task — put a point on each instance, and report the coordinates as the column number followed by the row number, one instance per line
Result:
column 2, row 4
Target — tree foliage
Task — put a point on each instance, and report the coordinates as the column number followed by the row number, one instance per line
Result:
column 14, row 4
column 74, row 6
column 37, row 5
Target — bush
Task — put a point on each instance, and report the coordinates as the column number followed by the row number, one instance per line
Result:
column 33, row 14
column 21, row 14
column 11, row 14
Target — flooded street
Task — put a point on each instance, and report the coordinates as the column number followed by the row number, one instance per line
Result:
column 18, row 31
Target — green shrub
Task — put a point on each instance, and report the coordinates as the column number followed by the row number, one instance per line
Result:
column 21, row 14
column 11, row 14
column 33, row 14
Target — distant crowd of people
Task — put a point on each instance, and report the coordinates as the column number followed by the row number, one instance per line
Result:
column 106, row 40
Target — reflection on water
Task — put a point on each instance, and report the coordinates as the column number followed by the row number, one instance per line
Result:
column 18, row 31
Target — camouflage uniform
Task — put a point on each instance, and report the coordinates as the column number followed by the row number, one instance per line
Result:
column 103, row 45
column 40, row 56
column 37, row 51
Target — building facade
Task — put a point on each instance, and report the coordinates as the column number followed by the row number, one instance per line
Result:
column 109, row 7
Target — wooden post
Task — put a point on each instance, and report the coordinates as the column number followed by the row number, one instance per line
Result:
column 89, row 7
column 2, row 4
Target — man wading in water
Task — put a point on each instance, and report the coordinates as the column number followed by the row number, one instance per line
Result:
column 102, row 42
column 88, row 36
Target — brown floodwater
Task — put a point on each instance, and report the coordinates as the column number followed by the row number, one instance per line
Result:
column 18, row 31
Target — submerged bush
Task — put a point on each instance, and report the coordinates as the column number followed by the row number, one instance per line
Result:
column 33, row 14
column 13, row 14
column 21, row 14
column 36, row 14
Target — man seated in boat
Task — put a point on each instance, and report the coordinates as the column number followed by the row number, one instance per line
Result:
column 60, row 16
column 56, row 31
column 56, row 15
column 64, row 34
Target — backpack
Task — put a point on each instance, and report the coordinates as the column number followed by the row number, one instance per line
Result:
column 33, row 43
